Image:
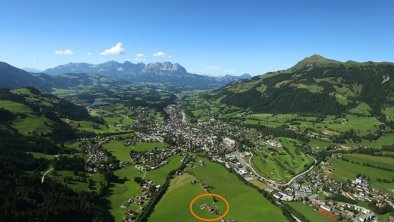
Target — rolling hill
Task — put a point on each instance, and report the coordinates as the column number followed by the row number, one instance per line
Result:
column 314, row 85
column 28, row 112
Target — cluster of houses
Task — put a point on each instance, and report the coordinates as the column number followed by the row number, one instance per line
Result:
column 144, row 119
column 210, row 208
column 99, row 159
column 147, row 191
column 236, row 161
column 153, row 159
column 318, row 190
column 273, row 143
column 310, row 188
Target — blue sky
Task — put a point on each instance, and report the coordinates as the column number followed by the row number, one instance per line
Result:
column 206, row 36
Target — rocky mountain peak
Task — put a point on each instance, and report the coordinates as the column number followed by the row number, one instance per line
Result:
column 164, row 67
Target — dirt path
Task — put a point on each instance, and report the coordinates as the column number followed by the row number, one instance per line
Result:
column 43, row 176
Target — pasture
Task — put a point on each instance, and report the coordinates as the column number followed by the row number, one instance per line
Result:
column 281, row 163
column 309, row 212
column 148, row 146
column 126, row 188
column 347, row 170
column 33, row 124
column 246, row 203
column 14, row 107
column 118, row 149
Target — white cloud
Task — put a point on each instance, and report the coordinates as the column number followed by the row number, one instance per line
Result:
column 115, row 50
column 139, row 57
column 170, row 56
column 160, row 54
column 64, row 52
column 35, row 60
column 89, row 53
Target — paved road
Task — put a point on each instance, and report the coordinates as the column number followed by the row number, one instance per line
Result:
column 301, row 174
column 43, row 176
column 242, row 161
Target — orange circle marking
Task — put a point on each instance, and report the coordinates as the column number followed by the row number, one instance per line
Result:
column 211, row 195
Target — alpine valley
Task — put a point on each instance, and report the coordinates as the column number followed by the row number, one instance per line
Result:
column 138, row 142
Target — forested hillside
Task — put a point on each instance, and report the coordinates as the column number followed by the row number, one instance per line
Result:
column 314, row 85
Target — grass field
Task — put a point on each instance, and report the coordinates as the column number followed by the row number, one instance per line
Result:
column 362, row 125
column 42, row 155
column 92, row 127
column 121, row 120
column 281, row 163
column 72, row 144
column 380, row 161
column 384, row 217
column 361, row 109
column 389, row 112
column 159, row 175
column 246, row 204
column 309, row 212
column 33, row 124
column 147, row 146
column 385, row 140
column 14, row 107
column 180, row 191
column 122, row 191
column 77, row 183
column 319, row 144
column 119, row 150
column 347, row 170
column 259, row 184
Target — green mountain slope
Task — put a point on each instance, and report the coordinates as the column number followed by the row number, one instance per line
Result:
column 314, row 85
column 29, row 112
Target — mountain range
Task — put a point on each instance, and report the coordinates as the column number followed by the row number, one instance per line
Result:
column 112, row 72
column 314, row 85
column 170, row 74
column 12, row 77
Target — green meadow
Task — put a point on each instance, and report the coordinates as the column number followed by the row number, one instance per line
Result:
column 116, row 120
column 379, row 161
column 159, row 175
column 148, row 146
column 319, row 144
column 89, row 126
column 14, row 107
column 389, row 112
column 281, row 163
column 42, row 155
column 33, row 124
column 384, row 140
column 174, row 205
column 309, row 212
column 118, row 149
column 246, row 203
column 77, row 183
column 344, row 171
column 121, row 191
